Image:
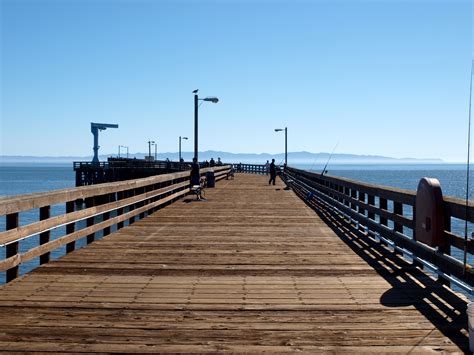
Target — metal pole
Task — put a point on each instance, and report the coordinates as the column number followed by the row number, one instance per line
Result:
column 286, row 147
column 95, row 132
column 119, row 152
column 180, row 149
column 127, row 152
column 467, row 172
column 155, row 150
column 149, row 149
column 196, row 127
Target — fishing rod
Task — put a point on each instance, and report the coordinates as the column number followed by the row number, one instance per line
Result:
column 468, row 165
column 330, row 156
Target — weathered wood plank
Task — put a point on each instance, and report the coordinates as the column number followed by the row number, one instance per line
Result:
column 251, row 269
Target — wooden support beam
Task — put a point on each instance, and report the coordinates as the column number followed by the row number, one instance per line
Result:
column 12, row 222
column 70, row 227
column 45, row 213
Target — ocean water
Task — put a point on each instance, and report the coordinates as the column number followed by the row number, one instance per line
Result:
column 24, row 179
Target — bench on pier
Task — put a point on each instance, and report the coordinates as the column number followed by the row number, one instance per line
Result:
column 198, row 189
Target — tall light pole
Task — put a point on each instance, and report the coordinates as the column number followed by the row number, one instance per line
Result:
column 286, row 142
column 155, row 149
column 180, row 146
column 149, row 148
column 122, row 146
column 214, row 100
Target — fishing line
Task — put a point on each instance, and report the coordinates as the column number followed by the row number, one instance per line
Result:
column 468, row 165
column 330, row 155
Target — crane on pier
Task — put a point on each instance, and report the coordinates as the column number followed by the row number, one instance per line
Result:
column 95, row 128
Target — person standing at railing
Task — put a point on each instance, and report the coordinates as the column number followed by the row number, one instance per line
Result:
column 195, row 173
column 273, row 173
column 219, row 162
column 267, row 167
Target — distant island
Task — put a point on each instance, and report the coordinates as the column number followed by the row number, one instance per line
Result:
column 293, row 157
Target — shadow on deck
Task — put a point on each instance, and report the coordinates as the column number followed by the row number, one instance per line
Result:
column 251, row 269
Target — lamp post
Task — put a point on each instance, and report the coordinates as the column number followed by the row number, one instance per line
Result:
column 214, row 100
column 122, row 146
column 180, row 146
column 155, row 149
column 286, row 142
column 149, row 148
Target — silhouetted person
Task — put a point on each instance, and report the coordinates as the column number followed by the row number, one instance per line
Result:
column 267, row 167
column 219, row 162
column 273, row 172
column 195, row 174
column 212, row 162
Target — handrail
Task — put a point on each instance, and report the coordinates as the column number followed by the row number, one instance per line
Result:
column 253, row 168
column 99, row 206
column 379, row 210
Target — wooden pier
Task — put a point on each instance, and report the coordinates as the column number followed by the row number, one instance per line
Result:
column 254, row 268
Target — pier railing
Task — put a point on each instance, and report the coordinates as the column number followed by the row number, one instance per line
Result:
column 89, row 210
column 120, row 169
column 253, row 168
column 117, row 163
column 406, row 221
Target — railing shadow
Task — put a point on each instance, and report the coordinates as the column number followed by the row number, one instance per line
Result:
column 410, row 285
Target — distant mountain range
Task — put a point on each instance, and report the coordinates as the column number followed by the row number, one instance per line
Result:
column 293, row 157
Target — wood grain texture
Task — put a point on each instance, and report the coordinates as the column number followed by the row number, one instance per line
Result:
column 251, row 269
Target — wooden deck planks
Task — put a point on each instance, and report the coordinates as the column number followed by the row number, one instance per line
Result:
column 251, row 269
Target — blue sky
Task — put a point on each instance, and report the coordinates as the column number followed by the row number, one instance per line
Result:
column 379, row 77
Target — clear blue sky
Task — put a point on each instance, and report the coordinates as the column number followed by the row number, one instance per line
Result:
column 381, row 77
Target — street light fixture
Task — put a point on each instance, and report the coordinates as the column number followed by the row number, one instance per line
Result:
column 286, row 143
column 212, row 99
column 122, row 146
column 186, row 138
column 149, row 148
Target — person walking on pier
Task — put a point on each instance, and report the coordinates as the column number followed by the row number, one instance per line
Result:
column 273, row 172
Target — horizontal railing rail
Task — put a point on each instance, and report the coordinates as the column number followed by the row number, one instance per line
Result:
column 253, row 168
column 89, row 210
column 389, row 215
column 115, row 163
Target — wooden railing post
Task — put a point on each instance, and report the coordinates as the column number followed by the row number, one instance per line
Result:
column 141, row 204
column 397, row 227
column 90, row 202
column 346, row 193
column 70, row 227
column 120, row 196
column 371, row 202
column 446, row 249
column 397, row 209
column 383, row 205
column 106, row 215
column 45, row 213
column 360, row 209
column 131, row 193
column 353, row 196
column 12, row 248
